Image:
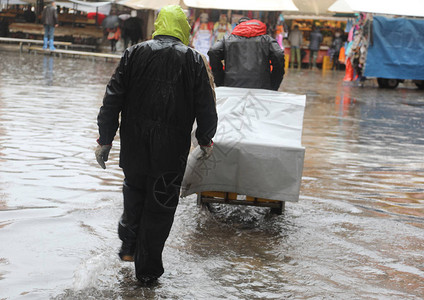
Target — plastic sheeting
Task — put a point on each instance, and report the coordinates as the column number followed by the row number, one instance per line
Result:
column 257, row 147
column 397, row 50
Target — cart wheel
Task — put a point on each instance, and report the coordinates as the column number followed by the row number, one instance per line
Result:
column 420, row 84
column 278, row 210
column 387, row 83
column 199, row 199
column 203, row 205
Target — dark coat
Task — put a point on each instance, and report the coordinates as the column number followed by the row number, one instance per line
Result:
column 337, row 44
column 315, row 40
column 247, row 53
column 132, row 30
column 160, row 87
column 49, row 15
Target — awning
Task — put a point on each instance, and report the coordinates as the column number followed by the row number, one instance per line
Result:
column 150, row 4
column 317, row 7
column 101, row 7
column 341, row 6
column 314, row 17
column 389, row 7
column 13, row 2
column 255, row 5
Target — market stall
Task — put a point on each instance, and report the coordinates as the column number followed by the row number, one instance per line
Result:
column 328, row 25
column 211, row 20
column 384, row 42
column 80, row 12
column 74, row 24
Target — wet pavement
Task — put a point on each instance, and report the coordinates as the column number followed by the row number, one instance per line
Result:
column 356, row 233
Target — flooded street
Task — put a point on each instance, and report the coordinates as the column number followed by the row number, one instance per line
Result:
column 356, row 233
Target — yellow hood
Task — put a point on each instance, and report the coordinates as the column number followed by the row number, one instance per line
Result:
column 173, row 21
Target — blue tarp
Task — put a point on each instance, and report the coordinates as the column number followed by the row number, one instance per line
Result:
column 397, row 50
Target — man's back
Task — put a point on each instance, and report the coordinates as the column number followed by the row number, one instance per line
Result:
column 49, row 15
column 247, row 53
column 315, row 40
column 161, row 81
column 164, row 87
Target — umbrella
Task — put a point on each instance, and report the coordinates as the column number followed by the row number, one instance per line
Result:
column 111, row 21
column 124, row 16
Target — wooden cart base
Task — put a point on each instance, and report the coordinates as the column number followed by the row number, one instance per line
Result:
column 277, row 207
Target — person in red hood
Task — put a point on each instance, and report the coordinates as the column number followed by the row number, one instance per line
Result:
column 252, row 58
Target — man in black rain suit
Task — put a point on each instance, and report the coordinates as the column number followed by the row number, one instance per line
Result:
column 159, row 87
column 248, row 53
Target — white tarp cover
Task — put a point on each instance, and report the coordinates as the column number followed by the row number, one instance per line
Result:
column 256, row 5
column 390, row 7
column 257, row 146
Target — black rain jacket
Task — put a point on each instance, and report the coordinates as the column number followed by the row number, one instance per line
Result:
column 160, row 87
column 248, row 54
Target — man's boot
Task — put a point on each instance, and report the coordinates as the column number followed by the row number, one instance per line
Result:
column 46, row 41
column 52, row 48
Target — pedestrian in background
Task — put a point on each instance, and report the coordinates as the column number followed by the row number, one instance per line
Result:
column 50, row 21
column 114, row 35
column 336, row 46
column 247, row 53
column 314, row 46
column 159, row 88
column 132, row 31
column 296, row 40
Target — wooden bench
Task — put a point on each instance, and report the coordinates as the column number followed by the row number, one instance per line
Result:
column 82, row 46
column 29, row 42
column 78, row 33
column 75, row 19
column 8, row 15
column 73, row 53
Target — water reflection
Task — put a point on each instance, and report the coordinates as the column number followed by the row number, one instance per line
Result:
column 48, row 69
column 344, row 101
column 355, row 233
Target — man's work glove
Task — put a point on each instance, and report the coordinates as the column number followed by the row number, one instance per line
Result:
column 206, row 151
column 102, row 154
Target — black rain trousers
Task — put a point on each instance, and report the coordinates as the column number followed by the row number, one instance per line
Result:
column 149, row 207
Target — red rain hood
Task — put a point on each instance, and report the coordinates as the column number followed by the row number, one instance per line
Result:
column 250, row 28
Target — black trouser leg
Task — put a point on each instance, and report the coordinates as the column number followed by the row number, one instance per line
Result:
column 156, row 221
column 130, row 219
column 113, row 45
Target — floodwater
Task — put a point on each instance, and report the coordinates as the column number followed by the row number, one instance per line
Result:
column 356, row 233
